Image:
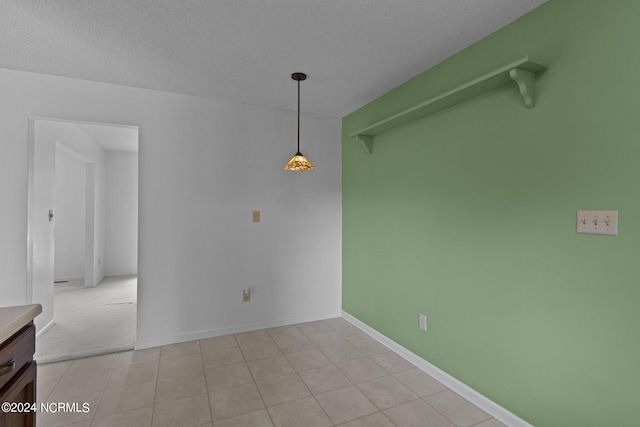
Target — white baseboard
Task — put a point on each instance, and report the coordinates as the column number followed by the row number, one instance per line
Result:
column 46, row 328
column 487, row 405
column 210, row 333
column 68, row 278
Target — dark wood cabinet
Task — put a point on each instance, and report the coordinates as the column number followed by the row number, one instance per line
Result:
column 18, row 374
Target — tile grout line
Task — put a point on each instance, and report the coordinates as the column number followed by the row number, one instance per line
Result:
column 206, row 384
column 155, row 391
column 368, row 415
column 254, row 380
column 93, row 416
column 297, row 374
column 57, row 380
column 78, row 396
column 356, row 384
column 441, row 413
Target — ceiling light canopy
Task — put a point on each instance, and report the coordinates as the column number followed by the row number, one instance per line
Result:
column 298, row 162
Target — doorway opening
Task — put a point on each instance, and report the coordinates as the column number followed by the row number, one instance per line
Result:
column 82, row 260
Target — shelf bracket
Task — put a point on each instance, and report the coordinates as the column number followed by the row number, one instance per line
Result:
column 526, row 83
column 367, row 142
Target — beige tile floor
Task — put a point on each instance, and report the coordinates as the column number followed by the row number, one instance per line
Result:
column 316, row 374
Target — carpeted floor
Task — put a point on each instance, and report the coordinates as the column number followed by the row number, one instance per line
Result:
column 90, row 321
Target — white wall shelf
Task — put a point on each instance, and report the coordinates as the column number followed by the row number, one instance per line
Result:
column 522, row 72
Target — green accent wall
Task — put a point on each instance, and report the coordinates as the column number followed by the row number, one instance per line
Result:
column 469, row 216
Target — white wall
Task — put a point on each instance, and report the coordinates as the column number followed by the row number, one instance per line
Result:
column 69, row 222
column 122, row 214
column 203, row 166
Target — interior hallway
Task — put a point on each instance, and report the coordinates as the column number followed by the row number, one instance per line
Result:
column 90, row 321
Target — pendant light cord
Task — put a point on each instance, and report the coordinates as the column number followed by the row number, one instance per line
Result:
column 298, row 116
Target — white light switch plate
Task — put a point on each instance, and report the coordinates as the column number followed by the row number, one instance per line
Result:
column 597, row 222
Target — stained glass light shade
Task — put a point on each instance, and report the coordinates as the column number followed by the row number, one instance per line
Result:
column 298, row 163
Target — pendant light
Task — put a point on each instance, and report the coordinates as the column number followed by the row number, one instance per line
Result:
column 298, row 162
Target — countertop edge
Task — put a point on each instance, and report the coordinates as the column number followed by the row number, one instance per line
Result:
column 12, row 319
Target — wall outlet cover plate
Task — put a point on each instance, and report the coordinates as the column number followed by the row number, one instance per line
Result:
column 423, row 321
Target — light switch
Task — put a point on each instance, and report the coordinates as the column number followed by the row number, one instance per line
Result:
column 256, row 216
column 597, row 222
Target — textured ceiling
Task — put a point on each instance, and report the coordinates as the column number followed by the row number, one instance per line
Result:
column 245, row 50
